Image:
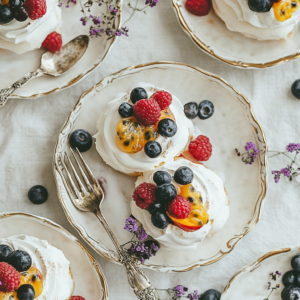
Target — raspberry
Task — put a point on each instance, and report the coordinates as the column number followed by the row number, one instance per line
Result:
column 201, row 148
column 35, row 8
column 163, row 98
column 77, row 298
column 198, row 7
column 9, row 277
column 144, row 195
column 180, row 208
column 52, row 42
column 147, row 111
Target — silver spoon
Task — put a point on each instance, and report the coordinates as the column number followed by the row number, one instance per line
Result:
column 54, row 64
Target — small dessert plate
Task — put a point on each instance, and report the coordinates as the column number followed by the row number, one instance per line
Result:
column 89, row 280
column 231, row 126
column 71, row 27
column 251, row 282
column 211, row 35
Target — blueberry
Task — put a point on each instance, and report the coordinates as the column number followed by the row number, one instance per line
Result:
column 125, row 110
column 167, row 127
column 211, row 295
column 38, row 194
column 81, row 139
column 191, row 110
column 289, row 278
column 26, row 292
column 296, row 88
column 159, row 220
column 206, row 110
column 150, row 242
column 6, row 14
column 297, row 279
column 20, row 260
column 166, row 193
column 5, row 251
column 183, row 175
column 260, row 6
column 153, row 149
column 21, row 14
column 155, row 207
column 138, row 94
column 15, row 4
column 162, row 177
column 296, row 263
column 290, row 293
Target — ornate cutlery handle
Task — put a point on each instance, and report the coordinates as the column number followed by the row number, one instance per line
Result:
column 137, row 279
column 6, row 93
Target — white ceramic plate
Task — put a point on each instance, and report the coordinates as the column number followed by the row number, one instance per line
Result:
column 211, row 35
column 90, row 282
column 232, row 125
column 13, row 66
column 251, row 282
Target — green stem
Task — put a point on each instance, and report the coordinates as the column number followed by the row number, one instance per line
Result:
column 82, row 6
column 129, row 241
column 285, row 154
column 273, row 289
column 293, row 161
column 274, row 155
column 134, row 10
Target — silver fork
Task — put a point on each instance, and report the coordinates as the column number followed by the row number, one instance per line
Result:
column 88, row 196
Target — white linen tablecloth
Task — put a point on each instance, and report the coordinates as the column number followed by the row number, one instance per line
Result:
column 29, row 130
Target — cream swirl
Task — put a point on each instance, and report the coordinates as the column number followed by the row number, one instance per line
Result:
column 50, row 261
column 21, row 37
column 140, row 162
column 263, row 26
column 215, row 199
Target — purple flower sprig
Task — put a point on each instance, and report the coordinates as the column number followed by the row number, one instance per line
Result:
column 291, row 171
column 106, row 23
column 177, row 292
column 139, row 248
column 274, row 276
column 194, row 296
column 248, row 157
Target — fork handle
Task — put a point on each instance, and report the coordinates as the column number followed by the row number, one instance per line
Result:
column 137, row 279
column 112, row 236
column 6, row 93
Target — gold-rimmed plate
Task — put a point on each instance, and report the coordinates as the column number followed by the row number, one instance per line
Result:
column 89, row 280
column 13, row 65
column 211, row 35
column 232, row 125
column 251, row 282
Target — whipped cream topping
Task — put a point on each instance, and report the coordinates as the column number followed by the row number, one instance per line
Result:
column 140, row 162
column 263, row 26
column 215, row 199
column 50, row 261
column 21, row 37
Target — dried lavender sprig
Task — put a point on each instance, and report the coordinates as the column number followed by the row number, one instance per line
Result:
column 138, row 248
column 107, row 24
column 274, row 276
column 289, row 171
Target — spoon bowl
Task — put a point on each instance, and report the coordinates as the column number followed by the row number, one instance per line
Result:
column 54, row 64
column 57, row 63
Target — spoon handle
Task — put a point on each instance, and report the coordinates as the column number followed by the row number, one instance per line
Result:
column 6, row 93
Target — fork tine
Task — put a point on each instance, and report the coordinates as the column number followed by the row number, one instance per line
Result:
column 88, row 170
column 90, row 188
column 82, row 188
column 67, row 185
column 72, row 183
